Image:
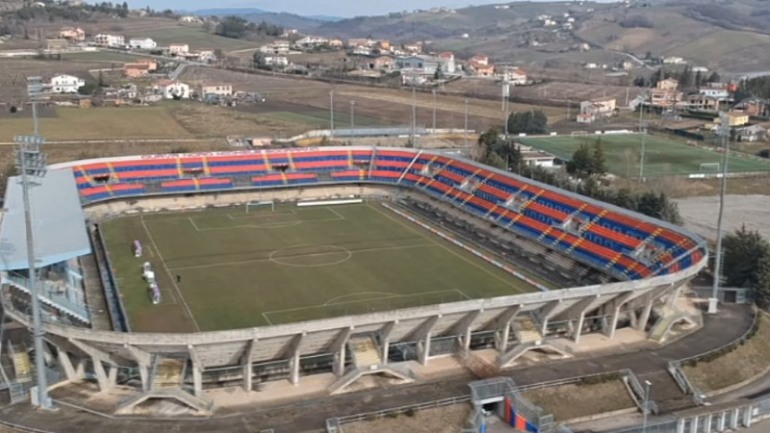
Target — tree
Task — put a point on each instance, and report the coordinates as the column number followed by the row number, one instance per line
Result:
column 598, row 162
column 714, row 78
column 581, row 164
column 659, row 206
column 747, row 262
column 439, row 74
column 528, row 122
column 232, row 27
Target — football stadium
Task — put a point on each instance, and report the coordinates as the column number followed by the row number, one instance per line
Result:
column 169, row 275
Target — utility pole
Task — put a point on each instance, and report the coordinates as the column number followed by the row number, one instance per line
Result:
column 724, row 133
column 331, row 114
column 643, row 131
column 352, row 114
column 646, row 406
column 465, row 134
column 32, row 167
column 435, row 106
column 414, row 110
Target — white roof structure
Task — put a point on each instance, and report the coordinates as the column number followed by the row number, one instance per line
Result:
column 57, row 220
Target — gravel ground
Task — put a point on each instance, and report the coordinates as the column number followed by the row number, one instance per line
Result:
column 700, row 213
column 448, row 419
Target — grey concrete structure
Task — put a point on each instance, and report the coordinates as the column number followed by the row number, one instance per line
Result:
column 412, row 333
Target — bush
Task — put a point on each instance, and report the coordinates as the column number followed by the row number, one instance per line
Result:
column 637, row 21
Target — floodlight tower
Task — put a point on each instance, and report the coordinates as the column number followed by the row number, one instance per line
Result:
column 724, row 134
column 32, row 164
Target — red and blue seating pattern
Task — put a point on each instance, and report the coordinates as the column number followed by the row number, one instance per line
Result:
column 608, row 239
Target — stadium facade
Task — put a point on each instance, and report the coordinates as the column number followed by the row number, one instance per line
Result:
column 642, row 264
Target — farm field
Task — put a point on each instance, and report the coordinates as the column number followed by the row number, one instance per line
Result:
column 663, row 157
column 196, row 38
column 264, row 267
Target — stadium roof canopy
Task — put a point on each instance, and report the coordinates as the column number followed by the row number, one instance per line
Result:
column 57, row 221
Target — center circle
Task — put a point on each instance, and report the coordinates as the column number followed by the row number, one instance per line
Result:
column 310, row 256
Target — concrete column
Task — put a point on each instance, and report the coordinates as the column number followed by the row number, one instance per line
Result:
column 579, row 329
column 385, row 351
column 645, row 316
column 385, row 338
column 503, row 344
column 747, row 416
column 467, row 338
column 294, row 365
column 248, row 375
column 680, row 425
column 547, row 313
column 707, row 423
column 69, row 369
column 633, row 317
column 694, row 424
column 143, row 360
column 613, row 324
column 101, row 374
column 722, row 421
column 339, row 362
column 197, row 381
column 734, row 419
column 425, row 352
column 674, row 295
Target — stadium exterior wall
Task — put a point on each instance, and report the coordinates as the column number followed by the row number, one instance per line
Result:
column 289, row 343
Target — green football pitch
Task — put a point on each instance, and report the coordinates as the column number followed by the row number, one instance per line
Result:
column 663, row 157
column 227, row 268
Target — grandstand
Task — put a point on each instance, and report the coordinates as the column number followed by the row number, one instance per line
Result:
column 634, row 264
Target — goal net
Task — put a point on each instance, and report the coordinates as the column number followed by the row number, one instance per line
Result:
column 709, row 167
column 255, row 205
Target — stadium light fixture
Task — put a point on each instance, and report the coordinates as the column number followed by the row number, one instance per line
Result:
column 32, row 163
column 724, row 134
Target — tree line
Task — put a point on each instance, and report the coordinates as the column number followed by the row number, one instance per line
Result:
column 686, row 77
column 238, row 28
column 747, row 263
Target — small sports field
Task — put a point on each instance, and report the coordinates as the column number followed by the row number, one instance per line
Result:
column 240, row 269
column 663, row 157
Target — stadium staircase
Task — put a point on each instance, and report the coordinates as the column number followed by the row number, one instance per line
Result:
column 364, row 351
column 477, row 365
column 22, row 367
column 167, row 373
column 202, row 406
column 394, row 371
column 668, row 317
column 665, row 391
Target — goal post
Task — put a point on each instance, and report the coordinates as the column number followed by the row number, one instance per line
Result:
column 260, row 204
column 578, row 133
column 709, row 167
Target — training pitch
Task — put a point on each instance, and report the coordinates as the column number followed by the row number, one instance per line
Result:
column 663, row 157
column 239, row 269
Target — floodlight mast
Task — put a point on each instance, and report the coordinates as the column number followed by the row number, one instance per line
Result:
column 724, row 134
column 32, row 167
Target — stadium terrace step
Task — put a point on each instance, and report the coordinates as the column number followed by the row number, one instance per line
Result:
column 22, row 366
column 526, row 329
column 365, row 352
column 169, row 373
column 668, row 318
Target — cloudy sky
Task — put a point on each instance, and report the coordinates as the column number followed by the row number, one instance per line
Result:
column 342, row 8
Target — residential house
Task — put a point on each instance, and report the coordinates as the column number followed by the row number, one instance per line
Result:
column 382, row 63
column 178, row 49
column 276, row 47
column 481, row 69
column 714, row 92
column 216, row 89
column 448, row 59
column 414, row 48
column 479, row 60
column 734, row 118
column 673, row 60
column 360, row 42
column 753, row 107
column 384, row 45
column 336, row 43
column 667, row 84
column 207, row 56
column 513, row 75
column 275, row 61
column 72, row 34
column 626, row 65
column 142, row 43
column 590, row 65
column 64, row 83
column 107, row 40
column 190, row 19
column 665, row 99
column 750, row 133
column 420, row 64
column 311, row 41
column 140, row 69
column 362, row 50
column 701, row 102
column 173, row 89
column 597, row 108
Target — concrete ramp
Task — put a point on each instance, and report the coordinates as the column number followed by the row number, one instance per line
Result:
column 199, row 405
column 508, row 358
column 403, row 374
column 668, row 318
column 168, row 373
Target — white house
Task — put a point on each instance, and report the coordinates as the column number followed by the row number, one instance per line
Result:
column 66, row 84
column 217, row 89
column 174, row 90
column 142, row 43
column 275, row 61
column 108, row 40
column 714, row 92
column 309, row 41
column 178, row 49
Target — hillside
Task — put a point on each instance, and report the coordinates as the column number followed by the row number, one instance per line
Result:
column 283, row 19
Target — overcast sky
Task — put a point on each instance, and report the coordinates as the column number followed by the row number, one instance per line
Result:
column 342, row 8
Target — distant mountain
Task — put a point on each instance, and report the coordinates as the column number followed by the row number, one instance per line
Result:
column 325, row 18
column 228, row 11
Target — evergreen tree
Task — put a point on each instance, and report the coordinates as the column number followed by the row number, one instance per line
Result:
column 598, row 162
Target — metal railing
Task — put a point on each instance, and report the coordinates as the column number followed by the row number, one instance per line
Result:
column 50, row 295
column 335, row 423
